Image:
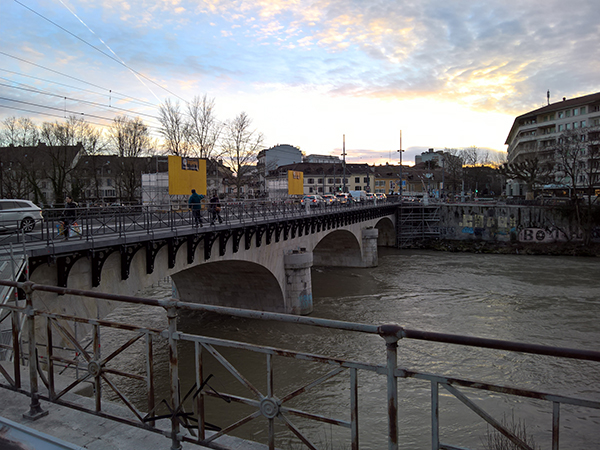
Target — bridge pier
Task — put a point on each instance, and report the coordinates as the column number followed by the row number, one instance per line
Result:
column 298, row 283
column 369, row 244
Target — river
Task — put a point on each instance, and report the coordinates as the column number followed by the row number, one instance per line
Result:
column 544, row 300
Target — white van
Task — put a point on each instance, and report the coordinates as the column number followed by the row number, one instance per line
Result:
column 19, row 214
column 359, row 196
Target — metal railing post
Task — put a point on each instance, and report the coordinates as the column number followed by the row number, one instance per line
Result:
column 391, row 334
column 174, row 372
column 16, row 340
column 35, row 409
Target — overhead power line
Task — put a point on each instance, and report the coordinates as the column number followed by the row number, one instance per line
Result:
column 64, row 74
column 100, row 105
column 63, row 110
column 109, row 92
column 99, row 50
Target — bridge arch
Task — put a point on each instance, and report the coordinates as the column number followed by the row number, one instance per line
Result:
column 338, row 248
column 233, row 283
column 387, row 232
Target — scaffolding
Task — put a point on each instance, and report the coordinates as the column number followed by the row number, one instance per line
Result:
column 417, row 223
column 155, row 189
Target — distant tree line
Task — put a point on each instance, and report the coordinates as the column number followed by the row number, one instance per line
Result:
column 192, row 132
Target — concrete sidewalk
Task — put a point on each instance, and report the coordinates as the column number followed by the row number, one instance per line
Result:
column 89, row 431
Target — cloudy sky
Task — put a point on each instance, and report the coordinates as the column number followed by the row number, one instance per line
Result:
column 448, row 73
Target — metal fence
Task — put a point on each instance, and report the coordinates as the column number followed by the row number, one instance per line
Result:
column 57, row 346
column 94, row 222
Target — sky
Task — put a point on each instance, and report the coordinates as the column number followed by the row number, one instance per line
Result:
column 441, row 73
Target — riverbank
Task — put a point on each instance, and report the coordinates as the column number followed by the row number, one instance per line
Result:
column 512, row 248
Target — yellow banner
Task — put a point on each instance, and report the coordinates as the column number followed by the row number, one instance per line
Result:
column 186, row 174
column 295, row 182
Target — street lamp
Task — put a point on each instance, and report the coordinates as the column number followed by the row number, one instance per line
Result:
column 400, row 152
column 344, row 162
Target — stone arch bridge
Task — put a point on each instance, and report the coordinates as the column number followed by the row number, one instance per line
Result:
column 263, row 265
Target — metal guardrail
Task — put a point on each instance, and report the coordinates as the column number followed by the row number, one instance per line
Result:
column 95, row 366
column 93, row 223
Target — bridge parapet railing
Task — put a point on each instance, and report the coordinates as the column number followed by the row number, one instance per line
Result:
column 182, row 414
column 94, row 222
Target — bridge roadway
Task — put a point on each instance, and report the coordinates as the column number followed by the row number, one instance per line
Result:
column 267, row 249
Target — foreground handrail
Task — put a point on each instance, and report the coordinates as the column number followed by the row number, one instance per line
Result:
column 268, row 405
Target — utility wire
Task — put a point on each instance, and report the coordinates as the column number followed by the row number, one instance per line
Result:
column 100, row 51
column 63, row 74
column 63, row 110
column 38, row 91
column 110, row 91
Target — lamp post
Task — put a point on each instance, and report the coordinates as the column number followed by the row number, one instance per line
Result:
column 344, row 162
column 400, row 152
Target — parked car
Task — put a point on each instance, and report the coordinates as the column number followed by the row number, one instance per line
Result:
column 329, row 199
column 380, row 196
column 312, row 200
column 19, row 214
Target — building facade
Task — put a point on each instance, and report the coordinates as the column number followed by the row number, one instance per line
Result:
column 550, row 136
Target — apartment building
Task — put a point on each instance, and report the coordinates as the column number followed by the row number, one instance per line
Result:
column 541, row 133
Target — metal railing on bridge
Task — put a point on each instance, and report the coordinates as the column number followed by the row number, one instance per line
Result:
column 185, row 416
column 95, row 222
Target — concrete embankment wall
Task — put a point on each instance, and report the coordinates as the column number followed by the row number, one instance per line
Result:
column 504, row 223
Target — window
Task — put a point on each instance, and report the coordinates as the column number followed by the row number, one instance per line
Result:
column 561, row 114
column 320, row 181
column 366, row 180
column 568, row 113
column 582, row 110
column 568, row 126
column 575, row 125
column 337, row 181
column 310, row 181
column 310, row 190
column 560, row 128
column 575, row 112
column 330, row 180
column 320, row 190
column 357, row 180
column 583, row 124
column 109, row 182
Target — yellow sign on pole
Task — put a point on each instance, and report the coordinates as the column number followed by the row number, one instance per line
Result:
column 295, row 182
column 186, row 174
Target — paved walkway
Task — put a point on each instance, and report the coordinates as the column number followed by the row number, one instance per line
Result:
column 88, row 431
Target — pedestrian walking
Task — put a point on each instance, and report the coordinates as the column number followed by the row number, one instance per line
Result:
column 215, row 209
column 194, row 203
column 69, row 216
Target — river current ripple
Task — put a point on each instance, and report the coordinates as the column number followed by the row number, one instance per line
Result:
column 543, row 300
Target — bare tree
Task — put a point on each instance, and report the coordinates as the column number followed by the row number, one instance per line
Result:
column 203, row 127
column 578, row 155
column 240, row 148
column 19, row 131
column 470, row 156
column 570, row 154
column 530, row 171
column 453, row 166
column 65, row 147
column 130, row 139
column 174, row 129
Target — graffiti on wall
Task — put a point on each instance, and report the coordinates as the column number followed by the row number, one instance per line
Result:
column 545, row 235
column 490, row 226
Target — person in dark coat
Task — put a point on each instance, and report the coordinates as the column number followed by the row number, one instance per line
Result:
column 69, row 215
column 215, row 209
column 194, row 203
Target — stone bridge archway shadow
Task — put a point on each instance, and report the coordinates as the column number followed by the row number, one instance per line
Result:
column 233, row 283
